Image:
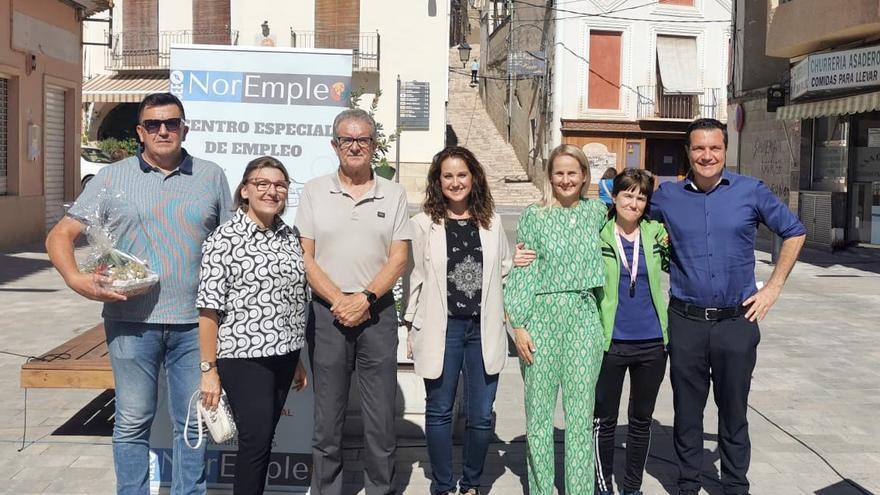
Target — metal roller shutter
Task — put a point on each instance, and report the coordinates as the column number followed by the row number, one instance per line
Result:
column 53, row 139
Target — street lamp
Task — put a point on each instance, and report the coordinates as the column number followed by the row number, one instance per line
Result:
column 464, row 53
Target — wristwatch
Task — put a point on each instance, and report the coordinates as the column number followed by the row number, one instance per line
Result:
column 206, row 366
column 371, row 297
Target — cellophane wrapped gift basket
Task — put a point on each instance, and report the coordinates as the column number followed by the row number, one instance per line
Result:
column 128, row 274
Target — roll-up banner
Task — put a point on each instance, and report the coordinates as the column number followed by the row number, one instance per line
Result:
column 246, row 102
column 242, row 103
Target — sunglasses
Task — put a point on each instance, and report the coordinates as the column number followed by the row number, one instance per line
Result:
column 171, row 125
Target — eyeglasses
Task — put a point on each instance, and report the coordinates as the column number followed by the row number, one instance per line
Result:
column 262, row 185
column 171, row 125
column 345, row 142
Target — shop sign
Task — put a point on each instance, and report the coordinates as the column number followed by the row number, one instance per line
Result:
column 874, row 137
column 847, row 69
column 247, row 102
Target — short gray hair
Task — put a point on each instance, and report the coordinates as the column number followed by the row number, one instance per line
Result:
column 354, row 114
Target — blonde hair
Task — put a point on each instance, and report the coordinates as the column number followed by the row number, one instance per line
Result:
column 565, row 150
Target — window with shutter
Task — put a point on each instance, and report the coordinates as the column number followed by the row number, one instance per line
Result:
column 603, row 91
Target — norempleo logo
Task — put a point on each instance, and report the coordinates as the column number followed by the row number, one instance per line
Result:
column 260, row 87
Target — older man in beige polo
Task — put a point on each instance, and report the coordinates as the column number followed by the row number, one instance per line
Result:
column 355, row 234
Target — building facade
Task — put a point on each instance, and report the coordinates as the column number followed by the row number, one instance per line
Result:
column 40, row 84
column 760, row 145
column 516, row 53
column 137, row 60
column 819, row 150
column 623, row 78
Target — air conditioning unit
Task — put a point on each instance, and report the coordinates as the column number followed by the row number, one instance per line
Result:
column 823, row 213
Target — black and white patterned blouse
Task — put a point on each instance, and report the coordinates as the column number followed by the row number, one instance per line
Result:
column 255, row 280
column 464, row 264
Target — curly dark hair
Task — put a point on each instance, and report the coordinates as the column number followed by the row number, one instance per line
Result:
column 480, row 203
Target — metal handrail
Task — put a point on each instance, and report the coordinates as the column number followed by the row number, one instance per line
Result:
column 652, row 103
column 152, row 49
column 366, row 47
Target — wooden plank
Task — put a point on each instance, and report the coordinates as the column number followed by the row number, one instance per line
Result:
column 81, row 362
column 67, row 379
column 81, row 365
column 80, row 346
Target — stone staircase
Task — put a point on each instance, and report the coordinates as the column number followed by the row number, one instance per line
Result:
column 475, row 131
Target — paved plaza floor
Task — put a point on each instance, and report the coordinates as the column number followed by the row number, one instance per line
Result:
column 815, row 400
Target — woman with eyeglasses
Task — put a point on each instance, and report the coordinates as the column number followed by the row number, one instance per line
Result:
column 633, row 311
column 455, row 312
column 552, row 308
column 251, row 300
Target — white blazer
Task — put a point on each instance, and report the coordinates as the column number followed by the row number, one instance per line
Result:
column 426, row 307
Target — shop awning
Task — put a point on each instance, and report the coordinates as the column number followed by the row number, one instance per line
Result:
column 123, row 88
column 679, row 70
column 866, row 102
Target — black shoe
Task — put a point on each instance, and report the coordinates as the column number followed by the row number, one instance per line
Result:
column 470, row 491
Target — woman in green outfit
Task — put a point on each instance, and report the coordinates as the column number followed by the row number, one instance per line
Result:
column 633, row 312
column 552, row 308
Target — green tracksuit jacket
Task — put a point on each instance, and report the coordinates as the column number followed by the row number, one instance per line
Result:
column 653, row 236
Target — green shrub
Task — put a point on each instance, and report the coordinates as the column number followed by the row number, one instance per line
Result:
column 383, row 143
column 118, row 148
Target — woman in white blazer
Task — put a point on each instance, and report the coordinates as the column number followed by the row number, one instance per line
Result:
column 455, row 311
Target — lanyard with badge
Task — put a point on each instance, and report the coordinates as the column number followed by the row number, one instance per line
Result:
column 633, row 272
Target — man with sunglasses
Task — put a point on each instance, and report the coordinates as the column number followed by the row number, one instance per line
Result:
column 712, row 218
column 159, row 205
column 355, row 235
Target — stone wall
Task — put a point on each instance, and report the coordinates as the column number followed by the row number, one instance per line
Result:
column 767, row 148
column 493, row 87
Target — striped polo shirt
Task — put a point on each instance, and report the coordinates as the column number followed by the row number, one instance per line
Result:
column 163, row 220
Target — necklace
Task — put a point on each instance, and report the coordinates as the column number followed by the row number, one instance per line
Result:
column 461, row 216
column 572, row 217
column 634, row 268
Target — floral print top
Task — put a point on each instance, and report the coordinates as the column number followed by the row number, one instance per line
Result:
column 464, row 264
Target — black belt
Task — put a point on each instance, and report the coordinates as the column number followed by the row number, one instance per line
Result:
column 709, row 314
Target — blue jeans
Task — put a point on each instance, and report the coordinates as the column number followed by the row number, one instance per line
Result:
column 137, row 350
column 464, row 354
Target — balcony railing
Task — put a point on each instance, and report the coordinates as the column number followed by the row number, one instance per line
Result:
column 138, row 50
column 653, row 104
column 366, row 46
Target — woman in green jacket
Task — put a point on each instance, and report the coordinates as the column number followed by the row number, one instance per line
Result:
column 632, row 308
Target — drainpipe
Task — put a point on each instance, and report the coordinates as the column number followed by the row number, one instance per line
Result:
column 556, row 90
column 510, row 84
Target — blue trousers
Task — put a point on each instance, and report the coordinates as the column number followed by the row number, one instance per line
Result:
column 137, row 350
column 463, row 355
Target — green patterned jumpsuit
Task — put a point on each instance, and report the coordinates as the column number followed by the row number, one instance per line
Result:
column 553, row 299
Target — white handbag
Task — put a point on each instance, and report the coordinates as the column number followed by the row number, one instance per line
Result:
column 220, row 422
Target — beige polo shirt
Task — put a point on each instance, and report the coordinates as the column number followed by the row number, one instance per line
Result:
column 352, row 238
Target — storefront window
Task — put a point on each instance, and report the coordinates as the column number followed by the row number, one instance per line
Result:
column 865, row 184
column 829, row 154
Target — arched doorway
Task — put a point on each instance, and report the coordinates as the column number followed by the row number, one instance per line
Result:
column 119, row 123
